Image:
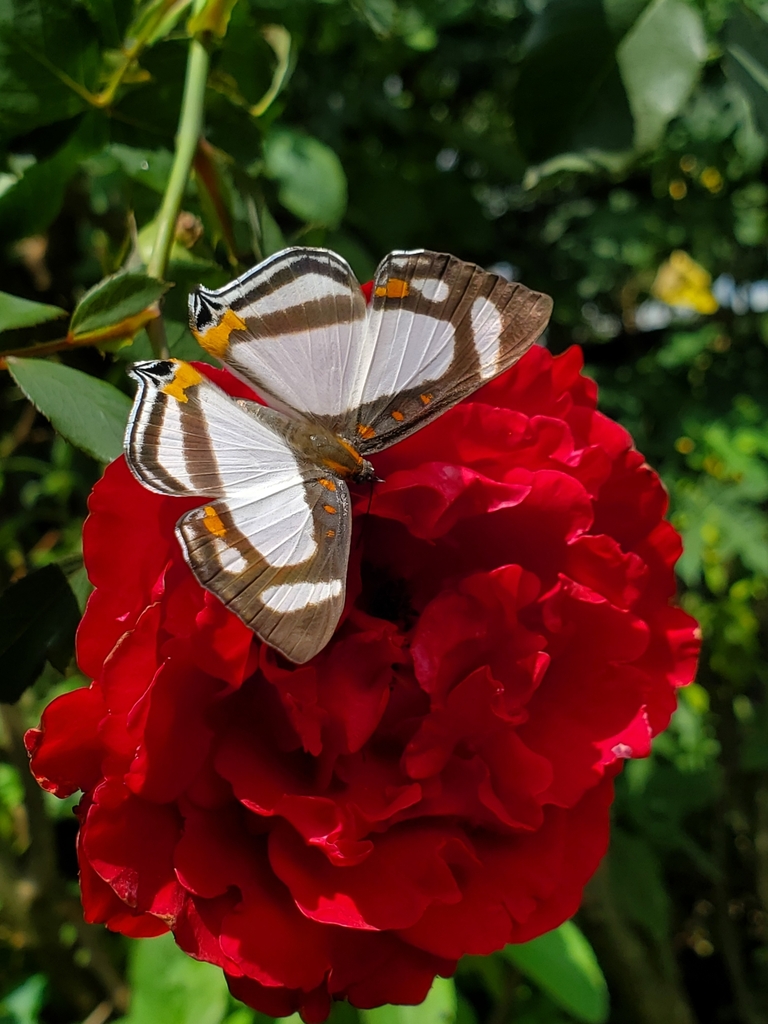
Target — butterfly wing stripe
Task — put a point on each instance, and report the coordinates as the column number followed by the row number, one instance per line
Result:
column 291, row 597
column 284, row 351
column 487, row 327
column 432, row 288
column 281, row 271
column 143, row 441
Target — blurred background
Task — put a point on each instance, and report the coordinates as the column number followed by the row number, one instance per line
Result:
column 610, row 153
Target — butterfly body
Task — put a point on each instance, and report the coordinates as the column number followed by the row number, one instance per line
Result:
column 342, row 380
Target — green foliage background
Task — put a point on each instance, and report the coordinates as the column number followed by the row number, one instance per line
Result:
column 578, row 141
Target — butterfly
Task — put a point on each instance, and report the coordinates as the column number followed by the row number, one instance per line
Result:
column 342, row 379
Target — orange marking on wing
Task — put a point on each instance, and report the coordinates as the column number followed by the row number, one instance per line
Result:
column 426, row 398
column 329, row 485
column 395, row 288
column 351, row 449
column 337, row 468
column 330, row 533
column 216, row 338
column 365, row 432
column 330, row 510
column 185, row 376
column 397, row 415
column 212, row 522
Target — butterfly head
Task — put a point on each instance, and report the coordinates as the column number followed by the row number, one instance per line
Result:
column 212, row 320
column 367, row 474
column 156, row 372
column 205, row 310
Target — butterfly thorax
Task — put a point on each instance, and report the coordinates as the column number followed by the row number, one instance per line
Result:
column 332, row 452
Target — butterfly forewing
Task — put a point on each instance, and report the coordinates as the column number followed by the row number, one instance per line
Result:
column 274, row 543
column 292, row 328
column 437, row 329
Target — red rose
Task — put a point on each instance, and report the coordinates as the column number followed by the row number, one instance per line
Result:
column 437, row 780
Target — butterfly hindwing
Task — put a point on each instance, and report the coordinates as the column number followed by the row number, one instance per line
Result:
column 273, row 545
column 292, row 605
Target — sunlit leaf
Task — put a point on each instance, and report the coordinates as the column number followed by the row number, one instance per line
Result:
column 312, row 184
column 89, row 413
column 169, row 986
column 38, row 618
column 23, row 1004
column 660, row 60
column 115, row 299
column 279, row 38
column 211, row 17
column 438, row 1008
column 563, row 964
column 17, row 312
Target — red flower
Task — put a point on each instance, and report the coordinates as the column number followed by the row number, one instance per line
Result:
column 437, row 780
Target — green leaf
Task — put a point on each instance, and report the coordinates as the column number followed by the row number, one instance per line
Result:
column 23, row 1004
column 41, row 45
column 569, row 96
column 169, row 986
column 112, row 18
column 438, row 1008
column 81, row 587
column 211, row 16
column 585, row 89
column 89, row 413
column 150, row 167
column 563, row 964
column 312, row 184
column 272, row 238
column 17, row 312
column 638, row 884
column 279, row 39
column 38, row 619
column 746, row 42
column 660, row 60
column 30, row 204
column 380, row 14
column 115, row 299
column 682, row 347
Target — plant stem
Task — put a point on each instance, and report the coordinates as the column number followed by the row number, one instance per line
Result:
column 190, row 127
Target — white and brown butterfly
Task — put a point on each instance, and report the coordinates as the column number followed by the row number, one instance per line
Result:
column 343, row 380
